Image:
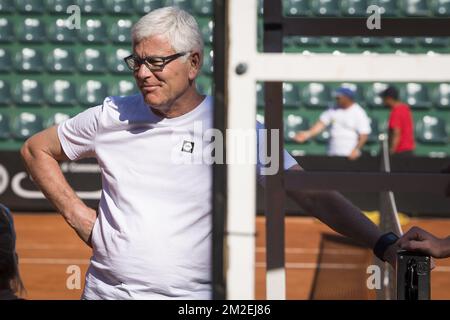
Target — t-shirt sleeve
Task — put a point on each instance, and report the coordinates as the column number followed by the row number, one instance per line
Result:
column 363, row 126
column 289, row 161
column 325, row 117
column 77, row 134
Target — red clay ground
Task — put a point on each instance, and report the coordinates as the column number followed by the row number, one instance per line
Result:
column 47, row 247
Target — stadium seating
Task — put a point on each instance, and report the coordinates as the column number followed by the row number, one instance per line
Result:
column 29, row 92
column 49, row 72
column 5, row 130
column 61, row 92
column 316, row 95
column 5, row 60
column 292, row 124
column 5, row 93
column 61, row 60
column 6, row 30
column 26, row 124
column 29, row 60
column 432, row 130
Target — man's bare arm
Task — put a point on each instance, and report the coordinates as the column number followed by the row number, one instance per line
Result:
column 41, row 154
column 341, row 215
column 317, row 128
column 394, row 140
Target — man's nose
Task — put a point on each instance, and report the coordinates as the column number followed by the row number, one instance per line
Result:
column 143, row 72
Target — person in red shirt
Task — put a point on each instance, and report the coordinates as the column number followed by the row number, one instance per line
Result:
column 401, row 126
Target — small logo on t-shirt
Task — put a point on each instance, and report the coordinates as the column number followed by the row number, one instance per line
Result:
column 188, row 146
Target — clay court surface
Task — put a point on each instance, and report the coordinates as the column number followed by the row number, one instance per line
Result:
column 320, row 264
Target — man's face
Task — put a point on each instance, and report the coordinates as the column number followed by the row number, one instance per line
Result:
column 388, row 101
column 343, row 101
column 161, row 88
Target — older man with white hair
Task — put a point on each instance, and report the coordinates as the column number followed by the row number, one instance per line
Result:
column 151, row 238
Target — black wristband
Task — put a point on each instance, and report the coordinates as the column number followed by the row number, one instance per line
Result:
column 383, row 243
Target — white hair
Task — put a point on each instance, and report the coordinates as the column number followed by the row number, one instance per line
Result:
column 176, row 25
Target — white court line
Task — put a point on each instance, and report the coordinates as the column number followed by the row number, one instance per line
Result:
column 52, row 261
column 49, row 246
column 348, row 266
column 293, row 250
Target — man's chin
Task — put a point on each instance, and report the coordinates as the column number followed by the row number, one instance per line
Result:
column 152, row 100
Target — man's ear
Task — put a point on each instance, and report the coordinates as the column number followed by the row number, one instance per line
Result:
column 194, row 65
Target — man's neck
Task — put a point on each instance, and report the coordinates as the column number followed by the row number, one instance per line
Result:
column 187, row 102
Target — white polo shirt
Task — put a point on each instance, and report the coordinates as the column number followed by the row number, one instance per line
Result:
column 345, row 127
column 152, row 238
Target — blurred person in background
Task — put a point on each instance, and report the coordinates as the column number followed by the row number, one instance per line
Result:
column 10, row 282
column 349, row 126
column 400, row 125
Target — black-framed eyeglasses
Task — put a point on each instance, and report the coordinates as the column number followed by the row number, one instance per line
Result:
column 152, row 63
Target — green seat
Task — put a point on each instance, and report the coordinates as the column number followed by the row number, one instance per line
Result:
column 416, row 95
column 119, row 6
column 59, row 6
column 204, row 85
column 323, row 137
column 57, row 118
column 30, row 6
column 441, row 8
column 294, row 123
column 442, row 96
column 124, row 88
column 373, row 98
column 59, row 32
column 7, row 6
column 121, row 31
column 5, row 60
column 207, row 67
column 316, row 95
column 299, row 43
column 32, row 30
column 183, row 4
column 203, row 7
column 415, row 8
column 369, row 42
column 93, row 31
column 434, row 42
column 339, row 42
column 61, row 92
column 260, row 95
column 354, row 8
column 6, row 30
column 291, row 97
column 92, row 61
column 5, row 129
column 29, row 92
column 29, row 60
column 61, row 60
column 325, row 7
column 91, row 6
column 296, row 8
column 116, row 63
column 431, row 130
column 206, row 28
column 5, row 93
column 145, row 6
column 402, row 42
column 374, row 132
column 93, row 92
column 389, row 6
column 27, row 124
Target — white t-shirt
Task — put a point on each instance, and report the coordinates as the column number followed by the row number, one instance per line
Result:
column 345, row 127
column 152, row 238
